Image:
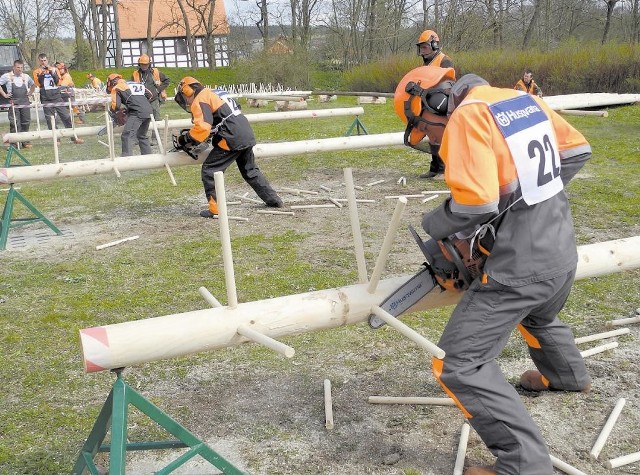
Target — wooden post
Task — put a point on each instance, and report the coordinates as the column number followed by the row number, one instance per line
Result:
column 211, row 300
column 355, row 226
column 263, row 339
column 462, row 449
column 328, row 405
column 565, row 467
column 225, row 238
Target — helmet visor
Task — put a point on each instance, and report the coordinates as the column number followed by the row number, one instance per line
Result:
column 181, row 100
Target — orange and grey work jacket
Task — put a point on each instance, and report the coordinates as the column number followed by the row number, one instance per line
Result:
column 531, row 88
column 508, row 156
column 48, row 81
column 441, row 60
column 218, row 116
column 132, row 96
column 153, row 80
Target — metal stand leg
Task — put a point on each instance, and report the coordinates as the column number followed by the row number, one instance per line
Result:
column 357, row 123
column 114, row 415
column 8, row 223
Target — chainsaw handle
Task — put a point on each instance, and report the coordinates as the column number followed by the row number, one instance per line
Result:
column 455, row 258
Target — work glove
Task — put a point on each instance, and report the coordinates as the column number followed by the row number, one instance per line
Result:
column 185, row 143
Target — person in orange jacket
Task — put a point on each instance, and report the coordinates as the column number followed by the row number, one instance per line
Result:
column 132, row 99
column 508, row 157
column 95, row 82
column 428, row 46
column 66, row 81
column 528, row 85
column 429, row 49
column 154, row 80
column 47, row 79
column 217, row 119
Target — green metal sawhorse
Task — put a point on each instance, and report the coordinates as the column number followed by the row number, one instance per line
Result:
column 359, row 126
column 8, row 223
column 114, row 415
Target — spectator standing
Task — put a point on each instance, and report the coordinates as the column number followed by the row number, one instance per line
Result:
column 154, row 80
column 133, row 100
column 66, row 81
column 528, row 85
column 15, row 89
column 95, row 82
column 48, row 80
column 217, row 118
column 428, row 46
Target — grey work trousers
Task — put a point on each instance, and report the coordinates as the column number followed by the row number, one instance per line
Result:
column 61, row 111
column 475, row 335
column 135, row 129
column 219, row 160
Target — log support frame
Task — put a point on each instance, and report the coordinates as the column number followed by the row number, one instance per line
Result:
column 113, row 415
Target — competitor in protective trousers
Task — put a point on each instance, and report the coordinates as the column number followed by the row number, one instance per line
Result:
column 15, row 89
column 133, row 98
column 508, row 157
column 217, row 118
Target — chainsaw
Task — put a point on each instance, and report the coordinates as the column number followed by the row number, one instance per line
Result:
column 451, row 264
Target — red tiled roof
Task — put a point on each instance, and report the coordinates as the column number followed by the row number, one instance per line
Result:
column 167, row 19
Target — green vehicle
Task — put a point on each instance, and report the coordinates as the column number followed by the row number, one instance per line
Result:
column 9, row 52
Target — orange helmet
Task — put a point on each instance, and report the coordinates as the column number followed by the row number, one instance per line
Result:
column 188, row 87
column 428, row 35
column 144, row 59
column 431, row 39
column 90, row 76
column 112, row 80
column 421, row 100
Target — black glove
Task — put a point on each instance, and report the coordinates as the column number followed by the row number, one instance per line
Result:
column 185, row 143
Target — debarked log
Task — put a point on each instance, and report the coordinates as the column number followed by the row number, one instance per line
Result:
column 176, row 159
column 141, row 341
column 186, row 123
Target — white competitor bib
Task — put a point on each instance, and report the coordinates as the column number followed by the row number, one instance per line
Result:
column 136, row 88
column 233, row 105
column 48, row 82
column 533, row 146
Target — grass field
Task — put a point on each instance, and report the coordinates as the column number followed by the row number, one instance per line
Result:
column 51, row 290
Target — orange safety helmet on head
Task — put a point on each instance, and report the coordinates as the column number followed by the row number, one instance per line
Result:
column 144, row 59
column 188, row 87
column 431, row 38
column 421, row 100
column 112, row 80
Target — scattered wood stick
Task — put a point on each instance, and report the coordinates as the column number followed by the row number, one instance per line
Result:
column 408, row 332
column 344, row 200
column 375, row 182
column 462, row 449
column 403, row 196
column 325, row 188
column 113, row 243
column 237, row 218
column 435, row 192
column 328, row 405
column 312, row 206
column 250, row 200
column 233, row 202
column 624, row 460
column 599, row 349
column 429, row 198
column 296, row 190
column 402, row 181
column 429, row 401
column 565, row 467
column 273, row 211
column 606, row 430
column 211, row 300
column 335, row 202
column 265, row 340
column 601, row 336
column 623, row 321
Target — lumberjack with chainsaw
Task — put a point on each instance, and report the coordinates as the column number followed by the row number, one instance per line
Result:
column 508, row 157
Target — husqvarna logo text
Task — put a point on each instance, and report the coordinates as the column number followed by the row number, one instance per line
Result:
column 506, row 117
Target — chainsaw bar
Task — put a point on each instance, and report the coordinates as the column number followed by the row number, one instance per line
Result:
column 406, row 296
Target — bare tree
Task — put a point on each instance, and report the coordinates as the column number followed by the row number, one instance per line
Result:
column 611, row 4
column 263, row 23
column 207, row 24
column 150, row 37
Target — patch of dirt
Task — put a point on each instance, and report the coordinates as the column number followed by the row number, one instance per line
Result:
column 269, row 419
